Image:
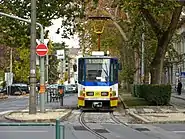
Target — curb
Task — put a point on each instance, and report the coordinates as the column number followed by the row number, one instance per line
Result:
column 3, row 97
column 66, row 115
column 138, row 117
column 36, row 120
column 151, row 122
column 122, row 102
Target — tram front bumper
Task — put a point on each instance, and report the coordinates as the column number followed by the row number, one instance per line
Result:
column 111, row 102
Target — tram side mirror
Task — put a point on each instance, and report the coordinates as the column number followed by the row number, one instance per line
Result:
column 74, row 67
column 119, row 66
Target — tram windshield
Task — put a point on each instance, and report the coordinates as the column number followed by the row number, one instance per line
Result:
column 97, row 70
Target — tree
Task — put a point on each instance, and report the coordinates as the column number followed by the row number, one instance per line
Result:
column 53, row 65
column 16, row 33
column 163, row 18
column 21, row 65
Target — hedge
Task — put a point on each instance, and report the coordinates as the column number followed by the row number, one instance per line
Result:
column 157, row 94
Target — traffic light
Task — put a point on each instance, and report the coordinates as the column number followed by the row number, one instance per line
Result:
column 74, row 67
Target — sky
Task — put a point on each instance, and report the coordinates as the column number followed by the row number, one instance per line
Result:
column 56, row 38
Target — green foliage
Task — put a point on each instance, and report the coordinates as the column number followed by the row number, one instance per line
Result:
column 154, row 93
column 15, row 32
column 127, row 74
column 65, row 76
column 131, row 101
column 53, row 64
column 21, row 65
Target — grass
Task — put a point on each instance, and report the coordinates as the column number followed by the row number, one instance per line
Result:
column 131, row 101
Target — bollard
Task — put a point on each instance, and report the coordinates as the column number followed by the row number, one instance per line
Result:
column 61, row 100
column 63, row 132
column 57, row 128
column 61, row 94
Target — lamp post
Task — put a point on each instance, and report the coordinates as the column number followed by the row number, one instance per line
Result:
column 32, row 96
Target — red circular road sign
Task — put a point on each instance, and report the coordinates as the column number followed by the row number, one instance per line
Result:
column 41, row 50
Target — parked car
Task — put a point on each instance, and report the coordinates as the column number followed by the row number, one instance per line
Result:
column 75, row 88
column 18, row 89
column 3, row 91
column 70, row 88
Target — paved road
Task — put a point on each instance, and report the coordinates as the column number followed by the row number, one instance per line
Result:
column 110, row 131
column 18, row 103
column 14, row 103
column 177, row 128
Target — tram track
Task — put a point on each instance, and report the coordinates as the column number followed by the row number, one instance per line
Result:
column 113, row 118
column 83, row 123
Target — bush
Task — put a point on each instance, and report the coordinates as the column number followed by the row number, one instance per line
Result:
column 157, row 94
column 138, row 91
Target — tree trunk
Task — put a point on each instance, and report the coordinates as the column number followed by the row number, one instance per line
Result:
column 158, row 61
column 137, row 67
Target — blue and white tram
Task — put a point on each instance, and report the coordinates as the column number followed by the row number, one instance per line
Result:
column 97, row 81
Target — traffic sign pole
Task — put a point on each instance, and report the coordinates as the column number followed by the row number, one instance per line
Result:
column 42, row 80
column 41, row 51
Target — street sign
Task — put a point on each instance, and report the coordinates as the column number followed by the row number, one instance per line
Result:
column 39, row 42
column 41, row 50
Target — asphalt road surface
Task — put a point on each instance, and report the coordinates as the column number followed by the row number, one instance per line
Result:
column 14, row 103
column 177, row 128
column 73, row 130
column 22, row 102
column 109, row 131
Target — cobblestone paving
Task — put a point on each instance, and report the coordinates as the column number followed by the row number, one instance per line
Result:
column 97, row 117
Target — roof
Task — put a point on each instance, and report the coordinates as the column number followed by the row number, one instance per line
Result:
column 97, row 57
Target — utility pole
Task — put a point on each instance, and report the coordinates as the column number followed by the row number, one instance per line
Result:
column 10, row 75
column 10, row 60
column 142, row 58
column 32, row 98
column 69, row 69
column 142, row 55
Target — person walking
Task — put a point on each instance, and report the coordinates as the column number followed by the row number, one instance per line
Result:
column 179, row 87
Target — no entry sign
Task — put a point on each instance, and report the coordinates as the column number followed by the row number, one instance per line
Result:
column 41, row 50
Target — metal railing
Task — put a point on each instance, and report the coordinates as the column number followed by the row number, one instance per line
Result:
column 58, row 133
column 53, row 95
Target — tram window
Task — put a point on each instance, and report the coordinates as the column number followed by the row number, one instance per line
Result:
column 115, row 71
column 112, row 73
column 81, row 69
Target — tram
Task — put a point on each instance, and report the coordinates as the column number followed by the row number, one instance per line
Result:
column 97, row 81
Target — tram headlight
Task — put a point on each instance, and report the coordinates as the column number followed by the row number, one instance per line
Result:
column 90, row 93
column 104, row 93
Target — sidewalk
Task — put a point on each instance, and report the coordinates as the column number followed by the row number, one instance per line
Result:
column 158, row 114
column 50, row 115
column 53, row 111
column 175, row 95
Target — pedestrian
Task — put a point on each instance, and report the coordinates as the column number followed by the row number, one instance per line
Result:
column 179, row 87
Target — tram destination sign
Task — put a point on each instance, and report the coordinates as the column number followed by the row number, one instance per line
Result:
column 94, row 61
